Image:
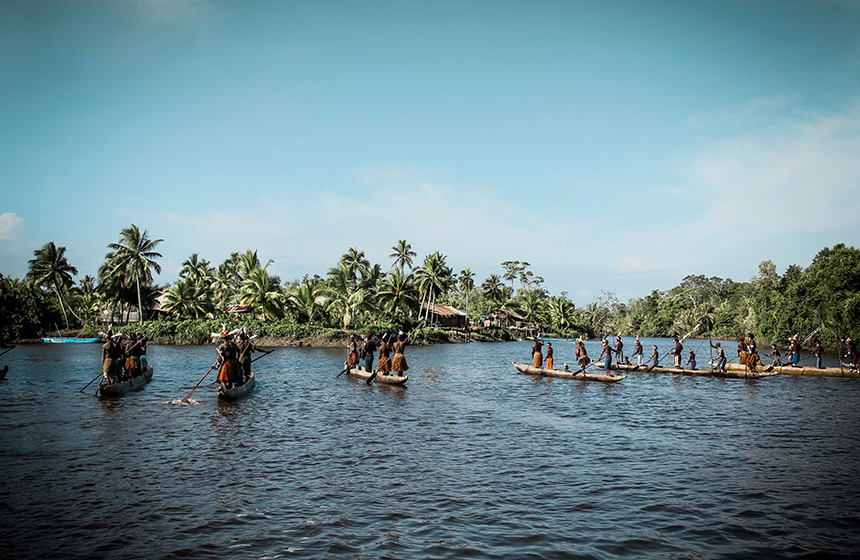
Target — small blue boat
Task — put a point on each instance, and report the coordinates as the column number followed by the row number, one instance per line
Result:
column 70, row 340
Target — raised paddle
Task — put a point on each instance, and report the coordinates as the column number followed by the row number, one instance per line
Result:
column 264, row 354
column 91, row 382
column 188, row 396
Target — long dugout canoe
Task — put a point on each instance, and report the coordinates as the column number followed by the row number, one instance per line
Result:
column 789, row 370
column 236, row 393
column 531, row 370
column 133, row 384
column 644, row 368
column 386, row 379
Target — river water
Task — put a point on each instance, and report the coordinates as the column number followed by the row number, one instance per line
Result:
column 471, row 460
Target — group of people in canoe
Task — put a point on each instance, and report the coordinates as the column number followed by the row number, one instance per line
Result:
column 234, row 357
column 386, row 365
column 122, row 361
column 747, row 354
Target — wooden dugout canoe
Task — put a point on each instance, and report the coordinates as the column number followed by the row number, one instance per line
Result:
column 133, row 384
column 387, row 379
column 531, row 370
column 813, row 371
column 236, row 393
column 697, row 372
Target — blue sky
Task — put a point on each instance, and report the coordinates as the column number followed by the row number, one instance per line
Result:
column 614, row 145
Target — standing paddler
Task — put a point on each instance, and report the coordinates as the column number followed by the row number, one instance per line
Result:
column 655, row 356
column 548, row 355
column 352, row 355
column 721, row 357
column 245, row 346
column 851, row 354
column 384, row 366
column 228, row 354
column 111, row 356
column 818, row 352
column 537, row 355
column 581, row 355
column 794, row 349
column 399, row 364
column 637, row 351
column 677, row 348
column 619, row 349
column 367, row 350
column 607, row 351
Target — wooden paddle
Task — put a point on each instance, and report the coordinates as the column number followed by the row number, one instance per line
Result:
column 91, row 382
column 346, row 369
column 7, row 349
column 264, row 354
column 188, row 396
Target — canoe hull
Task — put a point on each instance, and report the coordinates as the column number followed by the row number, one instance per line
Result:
column 384, row 379
column 694, row 372
column 812, row 371
column 239, row 392
column 543, row 372
column 133, row 384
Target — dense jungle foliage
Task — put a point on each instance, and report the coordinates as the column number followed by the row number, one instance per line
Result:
column 357, row 296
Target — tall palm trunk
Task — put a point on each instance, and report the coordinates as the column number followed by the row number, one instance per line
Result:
column 139, row 302
column 63, row 307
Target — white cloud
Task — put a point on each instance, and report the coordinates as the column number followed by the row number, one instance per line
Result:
column 632, row 264
column 10, row 223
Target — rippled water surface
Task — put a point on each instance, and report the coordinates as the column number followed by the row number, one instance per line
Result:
column 470, row 460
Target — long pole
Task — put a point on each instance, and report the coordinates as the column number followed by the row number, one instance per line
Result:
column 188, row 396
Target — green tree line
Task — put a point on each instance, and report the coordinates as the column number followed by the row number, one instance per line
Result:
column 357, row 295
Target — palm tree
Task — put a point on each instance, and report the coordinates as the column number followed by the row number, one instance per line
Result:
column 402, row 254
column 258, row 291
column 247, row 262
column 302, row 301
column 190, row 297
column 343, row 297
column 531, row 305
column 561, row 314
column 194, row 267
column 356, row 263
column 51, row 269
column 88, row 297
column 432, row 278
column 466, row 284
column 494, row 290
column 398, row 293
column 134, row 256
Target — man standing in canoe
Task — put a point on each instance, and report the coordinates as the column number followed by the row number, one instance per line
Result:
column 141, row 341
column 549, row 355
column 245, row 347
column 398, row 364
column 352, row 356
column 581, row 355
column 228, row 354
column 721, row 357
column 384, row 366
column 851, row 354
column 676, row 350
column 132, row 357
column 655, row 355
column 367, row 350
column 111, row 355
column 794, row 349
column 776, row 355
column 619, row 349
column 818, row 352
column 607, row 351
column 691, row 362
column 637, row 351
column 537, row 355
